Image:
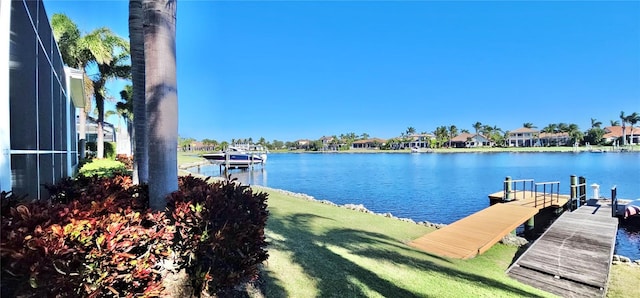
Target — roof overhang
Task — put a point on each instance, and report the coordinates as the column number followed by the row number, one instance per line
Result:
column 76, row 86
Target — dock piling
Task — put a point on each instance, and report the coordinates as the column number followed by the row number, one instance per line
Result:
column 507, row 188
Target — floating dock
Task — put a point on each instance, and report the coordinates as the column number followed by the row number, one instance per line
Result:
column 573, row 257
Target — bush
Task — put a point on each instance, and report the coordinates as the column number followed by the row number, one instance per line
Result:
column 126, row 160
column 110, row 150
column 98, row 239
column 102, row 168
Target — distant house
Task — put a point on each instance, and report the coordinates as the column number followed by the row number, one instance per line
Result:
column 91, row 128
column 468, row 140
column 553, row 139
column 303, row 144
column 420, row 140
column 613, row 133
column 329, row 144
column 373, row 143
column 522, row 137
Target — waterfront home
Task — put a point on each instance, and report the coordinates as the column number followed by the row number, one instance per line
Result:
column 522, row 137
column 553, row 139
column 329, row 144
column 613, row 133
column 373, row 143
column 302, row 144
column 419, row 140
column 468, row 140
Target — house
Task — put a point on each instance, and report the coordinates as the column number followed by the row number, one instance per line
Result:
column 522, row 137
column 553, row 139
column 303, row 144
column 91, row 128
column 468, row 140
column 373, row 143
column 614, row 133
column 38, row 101
column 419, row 140
column 329, row 144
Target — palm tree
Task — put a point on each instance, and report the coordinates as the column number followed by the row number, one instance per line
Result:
column 136, row 37
column 125, row 110
column 614, row 122
column 595, row 123
column 441, row 135
column 78, row 51
column 574, row 133
column 623, row 119
column 159, row 27
column 115, row 68
column 528, row 125
column 477, row 126
column 411, row 130
column 453, row 132
column 633, row 120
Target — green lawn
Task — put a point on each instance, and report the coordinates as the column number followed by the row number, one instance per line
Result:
column 317, row 250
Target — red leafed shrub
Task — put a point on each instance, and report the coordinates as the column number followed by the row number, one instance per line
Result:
column 126, row 160
column 97, row 239
column 224, row 222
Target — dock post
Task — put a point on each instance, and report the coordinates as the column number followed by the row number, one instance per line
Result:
column 582, row 189
column 530, row 226
column 574, row 183
column 507, row 188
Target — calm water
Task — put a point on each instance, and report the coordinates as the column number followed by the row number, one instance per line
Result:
column 442, row 188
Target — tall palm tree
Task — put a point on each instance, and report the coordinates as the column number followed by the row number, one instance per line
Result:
column 159, row 27
column 125, row 110
column 633, row 119
column 614, row 122
column 136, row 37
column 623, row 119
column 477, row 126
column 411, row 130
column 78, row 51
column 595, row 123
column 453, row 132
column 528, row 125
column 114, row 69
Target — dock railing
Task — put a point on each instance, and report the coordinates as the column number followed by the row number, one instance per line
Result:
column 545, row 191
column 614, row 201
column 510, row 189
column 578, row 195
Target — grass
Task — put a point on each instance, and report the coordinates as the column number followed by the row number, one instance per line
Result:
column 317, row 250
column 624, row 281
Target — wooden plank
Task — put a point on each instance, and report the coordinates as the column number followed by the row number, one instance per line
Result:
column 476, row 233
column 560, row 287
column 574, row 253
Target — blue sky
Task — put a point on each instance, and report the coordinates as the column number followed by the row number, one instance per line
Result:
column 304, row 69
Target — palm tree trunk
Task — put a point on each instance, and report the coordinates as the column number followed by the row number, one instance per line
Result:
column 100, row 130
column 136, row 36
column 161, row 98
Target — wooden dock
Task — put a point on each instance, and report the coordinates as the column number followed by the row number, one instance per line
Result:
column 475, row 234
column 573, row 257
column 532, row 199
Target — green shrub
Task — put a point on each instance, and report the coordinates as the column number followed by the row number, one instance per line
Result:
column 98, row 239
column 110, row 150
column 102, row 168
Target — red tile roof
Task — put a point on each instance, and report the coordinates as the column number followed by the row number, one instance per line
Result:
column 523, row 130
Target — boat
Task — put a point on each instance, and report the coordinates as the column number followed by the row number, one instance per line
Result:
column 238, row 156
column 420, row 150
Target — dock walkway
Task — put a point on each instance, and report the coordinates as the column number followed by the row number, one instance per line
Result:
column 573, row 257
column 476, row 233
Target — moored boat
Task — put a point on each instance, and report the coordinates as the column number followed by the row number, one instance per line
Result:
column 239, row 156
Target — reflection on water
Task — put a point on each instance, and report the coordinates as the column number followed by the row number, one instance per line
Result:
column 255, row 176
